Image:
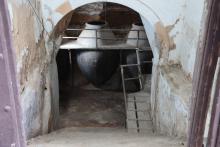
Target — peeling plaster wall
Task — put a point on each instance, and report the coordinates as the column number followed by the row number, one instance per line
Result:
column 186, row 35
column 33, row 68
column 170, row 97
column 172, row 102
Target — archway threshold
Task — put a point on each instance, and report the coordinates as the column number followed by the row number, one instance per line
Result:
column 102, row 137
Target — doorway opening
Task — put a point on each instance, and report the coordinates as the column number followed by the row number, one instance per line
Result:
column 91, row 82
column 105, row 70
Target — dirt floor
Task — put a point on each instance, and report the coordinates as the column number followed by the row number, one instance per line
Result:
column 91, row 107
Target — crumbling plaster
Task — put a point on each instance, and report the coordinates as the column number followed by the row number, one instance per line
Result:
column 172, row 28
column 172, row 102
column 34, row 69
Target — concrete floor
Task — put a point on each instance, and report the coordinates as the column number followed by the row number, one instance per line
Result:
column 102, row 137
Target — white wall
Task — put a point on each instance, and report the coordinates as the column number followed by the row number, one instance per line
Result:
column 187, row 35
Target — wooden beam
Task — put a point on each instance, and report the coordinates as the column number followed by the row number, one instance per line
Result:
column 206, row 61
column 214, row 136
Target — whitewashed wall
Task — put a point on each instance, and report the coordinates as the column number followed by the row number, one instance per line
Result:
column 187, row 34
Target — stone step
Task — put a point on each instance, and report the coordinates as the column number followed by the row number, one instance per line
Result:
column 144, row 115
column 103, row 137
column 138, row 113
column 139, row 126
column 138, row 99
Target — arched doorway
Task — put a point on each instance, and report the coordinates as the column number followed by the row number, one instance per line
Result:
column 163, row 75
column 105, row 99
column 54, row 43
column 159, row 39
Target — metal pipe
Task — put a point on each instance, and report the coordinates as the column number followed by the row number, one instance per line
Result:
column 130, row 79
column 69, row 37
column 104, row 48
column 130, row 65
column 72, row 29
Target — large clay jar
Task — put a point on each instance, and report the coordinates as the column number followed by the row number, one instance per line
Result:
column 89, row 38
column 137, row 31
column 97, row 66
column 89, row 31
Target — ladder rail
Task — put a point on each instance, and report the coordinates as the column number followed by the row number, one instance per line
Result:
column 124, row 93
column 124, row 88
column 139, row 68
column 139, row 77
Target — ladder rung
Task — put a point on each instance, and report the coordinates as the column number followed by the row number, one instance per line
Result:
column 135, row 78
column 138, row 119
column 129, row 65
column 145, row 50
